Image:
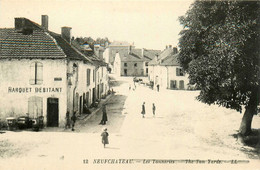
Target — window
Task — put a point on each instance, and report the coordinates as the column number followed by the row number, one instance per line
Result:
column 135, row 65
column 173, row 84
column 181, row 84
column 146, row 70
column 179, row 72
column 35, row 106
column 88, row 77
column 146, row 63
column 36, row 73
column 125, row 64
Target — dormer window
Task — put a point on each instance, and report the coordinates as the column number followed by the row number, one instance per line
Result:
column 75, row 67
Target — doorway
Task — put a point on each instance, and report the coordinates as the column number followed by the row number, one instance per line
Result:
column 52, row 112
column 181, row 85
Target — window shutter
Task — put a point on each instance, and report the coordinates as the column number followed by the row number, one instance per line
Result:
column 39, row 73
column 177, row 71
column 35, row 106
column 32, row 73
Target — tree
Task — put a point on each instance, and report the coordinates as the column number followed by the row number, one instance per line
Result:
column 219, row 49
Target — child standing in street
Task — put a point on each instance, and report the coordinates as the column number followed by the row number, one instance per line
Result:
column 154, row 108
column 73, row 120
column 143, row 109
column 104, row 135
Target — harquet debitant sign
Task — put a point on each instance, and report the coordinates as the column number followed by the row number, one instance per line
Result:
column 34, row 89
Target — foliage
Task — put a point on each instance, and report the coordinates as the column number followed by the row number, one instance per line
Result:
column 219, row 48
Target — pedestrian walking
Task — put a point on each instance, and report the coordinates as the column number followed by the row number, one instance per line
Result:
column 104, row 116
column 158, row 87
column 154, row 108
column 73, row 120
column 67, row 125
column 143, row 109
column 105, row 135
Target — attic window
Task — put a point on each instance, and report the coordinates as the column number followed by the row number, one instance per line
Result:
column 75, row 67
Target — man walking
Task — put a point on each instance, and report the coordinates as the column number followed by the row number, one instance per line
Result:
column 104, row 115
column 67, row 125
column 73, row 120
column 158, row 87
column 154, row 110
column 143, row 109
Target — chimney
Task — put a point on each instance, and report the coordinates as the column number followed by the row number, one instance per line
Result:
column 170, row 46
column 166, row 46
column 24, row 26
column 19, row 23
column 130, row 49
column 157, row 57
column 65, row 33
column 45, row 20
column 142, row 54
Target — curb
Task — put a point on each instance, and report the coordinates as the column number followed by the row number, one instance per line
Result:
column 99, row 107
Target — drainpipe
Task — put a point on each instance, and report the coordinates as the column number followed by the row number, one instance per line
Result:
column 167, row 77
column 96, row 82
column 74, row 90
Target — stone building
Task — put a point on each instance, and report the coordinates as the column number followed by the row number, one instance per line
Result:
column 133, row 63
column 42, row 74
column 165, row 71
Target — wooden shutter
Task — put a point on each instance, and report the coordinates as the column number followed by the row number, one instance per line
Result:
column 177, row 72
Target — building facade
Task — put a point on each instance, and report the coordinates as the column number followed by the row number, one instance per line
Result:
column 133, row 63
column 42, row 74
column 165, row 71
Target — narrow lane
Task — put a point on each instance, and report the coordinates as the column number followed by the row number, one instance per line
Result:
column 115, row 106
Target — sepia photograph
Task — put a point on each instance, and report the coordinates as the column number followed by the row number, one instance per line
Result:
column 128, row 84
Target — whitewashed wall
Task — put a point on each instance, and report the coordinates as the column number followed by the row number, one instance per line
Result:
column 16, row 74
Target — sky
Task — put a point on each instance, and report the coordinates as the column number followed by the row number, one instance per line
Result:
column 149, row 24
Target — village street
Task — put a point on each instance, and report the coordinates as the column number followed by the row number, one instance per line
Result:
column 182, row 129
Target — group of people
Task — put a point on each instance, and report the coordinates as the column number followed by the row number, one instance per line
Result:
column 70, row 121
column 143, row 109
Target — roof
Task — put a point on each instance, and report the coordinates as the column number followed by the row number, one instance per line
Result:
column 89, row 53
column 131, row 58
column 151, row 54
column 37, row 45
column 170, row 60
column 95, row 60
column 120, row 43
column 139, row 55
column 164, row 56
column 70, row 51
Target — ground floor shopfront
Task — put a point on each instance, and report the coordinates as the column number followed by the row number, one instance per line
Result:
column 49, row 102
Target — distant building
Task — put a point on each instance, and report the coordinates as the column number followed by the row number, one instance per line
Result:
column 100, row 75
column 165, row 71
column 133, row 63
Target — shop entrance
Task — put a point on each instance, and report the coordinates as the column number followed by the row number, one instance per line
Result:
column 52, row 112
